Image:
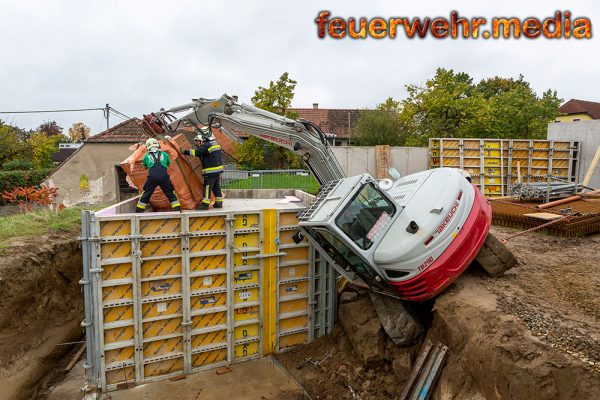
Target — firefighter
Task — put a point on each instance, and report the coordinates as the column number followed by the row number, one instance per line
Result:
column 157, row 162
column 210, row 155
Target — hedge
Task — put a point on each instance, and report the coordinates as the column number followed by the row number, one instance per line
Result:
column 12, row 179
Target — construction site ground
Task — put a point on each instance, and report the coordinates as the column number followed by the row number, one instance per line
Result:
column 532, row 334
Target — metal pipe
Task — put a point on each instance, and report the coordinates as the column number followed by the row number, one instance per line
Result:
column 564, row 201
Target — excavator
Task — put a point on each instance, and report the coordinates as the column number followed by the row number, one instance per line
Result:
column 405, row 238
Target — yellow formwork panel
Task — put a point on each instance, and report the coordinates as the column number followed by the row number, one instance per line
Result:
column 164, row 346
column 208, row 282
column 120, row 375
column 560, row 164
column 162, row 247
column 471, row 155
column 448, row 143
column 492, row 181
column 286, row 324
column 520, row 154
column 246, row 221
column 245, row 331
column 560, row 172
column 162, row 327
column 435, row 143
column 241, row 240
column 209, row 339
column 451, row 162
column 245, row 277
column 161, row 287
column 471, row 145
column 238, row 260
column 475, row 178
column 288, row 219
column 294, row 271
column 120, row 313
column 119, row 292
column 208, row 357
column 540, row 154
column 161, row 226
column 293, row 306
column 541, row 144
column 212, row 223
column 295, row 288
column 115, row 250
column 208, row 263
column 207, row 320
column 120, row 334
column 116, row 271
column 115, row 228
column 493, row 190
column 156, row 268
column 245, row 313
column 492, row 162
column 162, row 308
column 298, row 253
column 208, row 301
column 246, row 349
column 285, row 237
column 561, row 145
column 293, row 340
column 116, row 355
column 245, row 295
column 492, row 171
column 208, row 243
column 163, row 367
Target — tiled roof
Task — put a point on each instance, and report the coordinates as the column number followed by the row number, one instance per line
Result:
column 575, row 106
column 130, row 131
column 337, row 121
column 62, row 154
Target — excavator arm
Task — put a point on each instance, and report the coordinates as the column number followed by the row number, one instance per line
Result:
column 303, row 137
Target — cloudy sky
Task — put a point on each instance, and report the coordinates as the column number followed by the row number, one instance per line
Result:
column 140, row 56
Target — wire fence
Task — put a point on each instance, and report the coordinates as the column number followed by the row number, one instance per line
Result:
column 270, row 179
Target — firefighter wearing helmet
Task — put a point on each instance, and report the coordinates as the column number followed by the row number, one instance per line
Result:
column 157, row 162
column 209, row 152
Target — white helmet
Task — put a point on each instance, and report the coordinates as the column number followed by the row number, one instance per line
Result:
column 152, row 145
column 205, row 134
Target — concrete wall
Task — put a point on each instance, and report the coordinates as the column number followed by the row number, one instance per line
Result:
column 588, row 133
column 358, row 160
column 93, row 163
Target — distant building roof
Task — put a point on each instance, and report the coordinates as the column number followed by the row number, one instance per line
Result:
column 336, row 121
column 575, row 106
column 130, row 131
column 63, row 153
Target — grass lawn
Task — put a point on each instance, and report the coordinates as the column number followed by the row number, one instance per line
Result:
column 307, row 183
column 37, row 223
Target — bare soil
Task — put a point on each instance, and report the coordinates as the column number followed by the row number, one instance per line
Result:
column 531, row 334
column 41, row 307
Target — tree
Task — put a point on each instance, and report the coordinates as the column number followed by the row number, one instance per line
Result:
column 381, row 126
column 451, row 105
column 12, row 143
column 276, row 98
column 79, row 132
column 42, row 148
column 50, row 128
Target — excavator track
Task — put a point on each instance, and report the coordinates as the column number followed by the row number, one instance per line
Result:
column 495, row 258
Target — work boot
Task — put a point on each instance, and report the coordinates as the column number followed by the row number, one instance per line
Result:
column 177, row 208
column 218, row 205
column 203, row 207
column 139, row 210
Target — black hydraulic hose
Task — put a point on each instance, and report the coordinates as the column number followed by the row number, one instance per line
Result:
column 317, row 129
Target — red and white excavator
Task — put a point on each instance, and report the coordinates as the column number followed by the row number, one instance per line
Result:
column 407, row 238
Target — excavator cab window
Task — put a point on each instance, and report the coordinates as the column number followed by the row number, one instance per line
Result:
column 341, row 254
column 364, row 216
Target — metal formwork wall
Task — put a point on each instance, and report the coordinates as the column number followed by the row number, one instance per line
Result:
column 170, row 294
column 494, row 163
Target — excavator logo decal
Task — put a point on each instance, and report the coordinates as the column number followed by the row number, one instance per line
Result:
column 277, row 140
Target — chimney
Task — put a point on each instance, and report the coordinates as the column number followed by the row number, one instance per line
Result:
column 315, row 106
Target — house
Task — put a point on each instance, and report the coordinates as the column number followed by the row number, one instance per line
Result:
column 64, row 152
column 578, row 110
column 337, row 123
column 93, row 173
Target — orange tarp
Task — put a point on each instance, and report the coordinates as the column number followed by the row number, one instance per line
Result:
column 188, row 185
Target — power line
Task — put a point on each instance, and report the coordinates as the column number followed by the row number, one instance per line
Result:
column 52, row 111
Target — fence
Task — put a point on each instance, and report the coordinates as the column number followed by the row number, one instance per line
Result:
column 270, row 179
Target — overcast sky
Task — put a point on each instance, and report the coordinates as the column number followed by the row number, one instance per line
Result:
column 140, row 56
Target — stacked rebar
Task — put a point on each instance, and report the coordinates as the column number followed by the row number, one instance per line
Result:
column 544, row 190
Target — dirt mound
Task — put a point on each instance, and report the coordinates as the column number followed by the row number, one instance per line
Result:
column 41, row 307
column 531, row 334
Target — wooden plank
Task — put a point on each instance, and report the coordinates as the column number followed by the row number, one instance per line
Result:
column 382, row 160
column 75, row 358
column 544, row 215
column 519, row 172
column 591, row 168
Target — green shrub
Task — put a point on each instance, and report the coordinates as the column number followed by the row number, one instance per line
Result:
column 18, row 165
column 12, row 179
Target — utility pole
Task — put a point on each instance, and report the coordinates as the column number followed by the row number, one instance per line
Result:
column 106, row 112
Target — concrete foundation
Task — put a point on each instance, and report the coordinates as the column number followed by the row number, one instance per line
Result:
column 357, row 160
